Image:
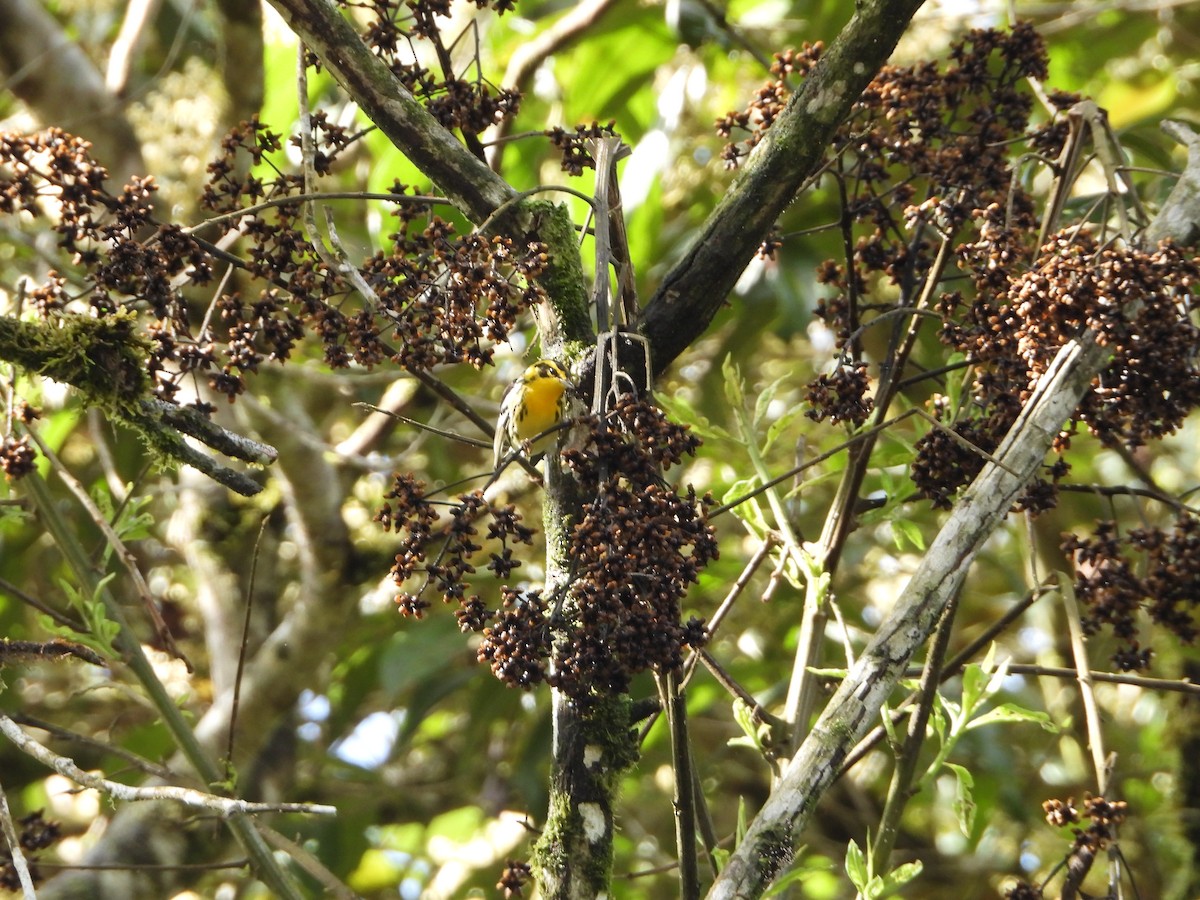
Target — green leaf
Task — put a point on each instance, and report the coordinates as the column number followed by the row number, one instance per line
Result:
column 748, row 510
column 906, row 531
column 1011, row 712
column 895, row 881
column 682, row 410
column 893, row 451
column 856, row 867
column 101, row 630
column 964, row 800
column 776, row 428
column 734, row 390
column 757, row 734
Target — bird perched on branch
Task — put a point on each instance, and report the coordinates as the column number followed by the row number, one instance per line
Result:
column 533, row 405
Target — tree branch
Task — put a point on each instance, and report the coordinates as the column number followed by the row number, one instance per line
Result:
column 50, row 72
column 791, row 151
column 768, row 845
column 223, row 806
column 467, row 181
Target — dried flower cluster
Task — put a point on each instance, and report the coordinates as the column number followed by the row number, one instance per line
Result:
column 17, row 457
column 637, row 548
column 514, row 878
column 841, row 395
column 409, row 512
column 35, row 833
column 1136, row 300
column 439, row 296
column 432, row 297
column 471, row 105
column 576, row 145
column 1105, row 818
column 925, row 161
column 1148, row 571
column 923, row 150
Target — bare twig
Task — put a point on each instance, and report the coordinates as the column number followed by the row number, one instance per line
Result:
column 904, row 776
column 222, row 806
column 675, row 702
column 65, row 734
column 14, row 848
column 123, row 553
column 309, row 863
column 242, row 645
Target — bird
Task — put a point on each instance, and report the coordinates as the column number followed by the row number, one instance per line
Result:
column 532, row 405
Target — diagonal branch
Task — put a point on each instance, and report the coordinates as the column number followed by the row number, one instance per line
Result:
column 213, row 803
column 790, row 152
column 468, row 182
column 767, row 847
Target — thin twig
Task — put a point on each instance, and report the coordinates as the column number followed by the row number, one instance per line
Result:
column 65, row 734
column 29, row 600
column 14, row 848
column 834, row 451
column 223, row 806
column 904, row 776
column 1084, row 676
column 123, row 553
column 242, row 646
column 309, row 863
column 675, row 702
column 951, row 669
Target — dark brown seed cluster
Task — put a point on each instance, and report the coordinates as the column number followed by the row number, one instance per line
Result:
column 431, row 297
column 466, row 101
column 637, row 548
column 841, row 395
column 443, row 561
column 513, row 879
column 925, row 160
column 1137, row 301
column 767, row 104
column 1104, row 819
column 943, row 464
column 437, row 297
column 1148, row 571
column 576, row 145
column 17, row 457
column 35, row 833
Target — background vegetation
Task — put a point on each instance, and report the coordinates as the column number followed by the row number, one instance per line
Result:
column 439, row 771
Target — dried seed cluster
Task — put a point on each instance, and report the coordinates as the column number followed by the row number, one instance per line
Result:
column 922, row 151
column 433, row 296
column 1149, row 571
column 637, row 548
column 469, row 104
column 35, row 833
column 407, row 511
column 925, row 160
column 1105, row 817
column 440, row 297
column 514, row 878
column 576, row 145
column 17, row 457
column 841, row 395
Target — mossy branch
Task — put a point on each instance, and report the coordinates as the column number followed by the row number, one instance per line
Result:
column 105, row 360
